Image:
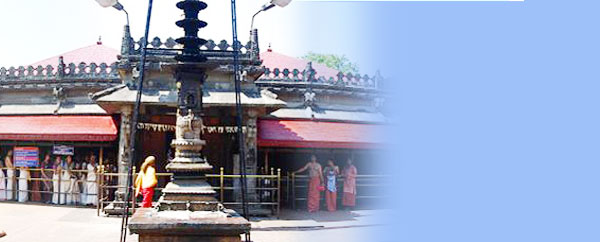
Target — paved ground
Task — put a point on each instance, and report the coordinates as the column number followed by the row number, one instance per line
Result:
column 28, row 222
column 33, row 222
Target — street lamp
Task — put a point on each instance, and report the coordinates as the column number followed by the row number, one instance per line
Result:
column 136, row 108
column 271, row 4
column 254, row 33
column 115, row 4
column 238, row 97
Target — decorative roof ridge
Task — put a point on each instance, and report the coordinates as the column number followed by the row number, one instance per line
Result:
column 315, row 64
column 71, row 71
column 311, row 77
column 169, row 43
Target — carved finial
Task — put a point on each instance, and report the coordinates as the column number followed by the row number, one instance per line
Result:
column 254, row 48
column 378, row 79
column 128, row 44
column 60, row 68
column 269, row 49
column 99, row 42
column 309, row 73
column 309, row 66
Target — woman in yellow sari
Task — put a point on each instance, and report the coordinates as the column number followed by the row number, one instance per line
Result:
column 146, row 181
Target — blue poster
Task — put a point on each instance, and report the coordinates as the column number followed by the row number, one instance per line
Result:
column 26, row 156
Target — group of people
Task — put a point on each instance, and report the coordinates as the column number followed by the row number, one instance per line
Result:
column 58, row 181
column 325, row 179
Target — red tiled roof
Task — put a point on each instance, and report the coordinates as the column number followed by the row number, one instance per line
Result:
column 315, row 134
column 58, row 128
column 97, row 53
column 274, row 60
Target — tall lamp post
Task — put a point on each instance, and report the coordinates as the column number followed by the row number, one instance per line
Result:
column 238, row 102
column 136, row 109
column 253, row 32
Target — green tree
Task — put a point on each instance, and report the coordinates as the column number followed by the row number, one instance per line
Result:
column 338, row 62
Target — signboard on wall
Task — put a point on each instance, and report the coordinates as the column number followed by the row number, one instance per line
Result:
column 26, row 156
column 63, row 150
column 205, row 129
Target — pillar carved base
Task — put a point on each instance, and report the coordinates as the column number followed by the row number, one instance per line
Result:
column 191, row 195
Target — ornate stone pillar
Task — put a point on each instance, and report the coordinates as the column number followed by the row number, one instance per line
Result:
column 250, row 138
column 188, row 209
column 124, row 151
column 251, row 154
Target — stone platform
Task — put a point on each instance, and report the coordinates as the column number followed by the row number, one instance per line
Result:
column 186, row 226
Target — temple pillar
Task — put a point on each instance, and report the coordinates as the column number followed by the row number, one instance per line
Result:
column 116, row 207
column 124, row 151
column 251, row 154
column 250, row 141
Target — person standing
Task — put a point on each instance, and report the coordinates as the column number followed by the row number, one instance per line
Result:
column 331, row 172
column 46, row 175
column 2, row 183
column 146, row 181
column 315, row 175
column 83, row 178
column 35, row 183
column 79, row 186
column 55, row 177
column 65, row 182
column 91, row 184
column 349, row 195
column 23, row 184
column 72, row 186
column 10, row 176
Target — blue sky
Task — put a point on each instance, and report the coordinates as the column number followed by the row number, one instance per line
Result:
column 496, row 106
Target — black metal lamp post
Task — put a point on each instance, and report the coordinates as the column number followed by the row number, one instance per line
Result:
column 254, row 32
column 237, row 82
column 136, row 109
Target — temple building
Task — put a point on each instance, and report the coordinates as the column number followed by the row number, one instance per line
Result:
column 48, row 103
column 292, row 107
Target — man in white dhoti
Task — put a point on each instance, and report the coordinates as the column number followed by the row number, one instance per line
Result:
column 55, row 184
column 10, row 176
column 23, row 184
column 82, row 181
column 2, row 184
column 91, row 185
column 72, row 188
column 65, row 185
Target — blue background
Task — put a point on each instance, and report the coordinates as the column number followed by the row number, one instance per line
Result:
column 496, row 116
